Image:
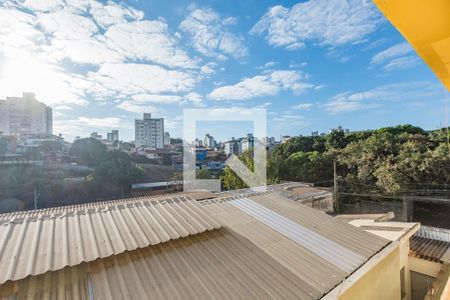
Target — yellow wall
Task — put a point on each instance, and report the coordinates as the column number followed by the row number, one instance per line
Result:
column 381, row 281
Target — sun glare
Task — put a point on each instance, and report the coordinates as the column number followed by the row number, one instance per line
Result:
column 29, row 74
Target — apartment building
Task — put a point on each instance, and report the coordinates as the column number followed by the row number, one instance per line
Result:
column 25, row 115
column 166, row 139
column 149, row 132
column 209, row 141
column 113, row 136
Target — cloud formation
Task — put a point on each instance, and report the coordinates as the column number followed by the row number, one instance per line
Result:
column 113, row 50
column 398, row 57
column 324, row 22
column 376, row 97
column 211, row 36
column 268, row 84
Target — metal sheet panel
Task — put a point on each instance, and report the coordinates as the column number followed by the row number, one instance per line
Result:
column 34, row 243
column 430, row 249
column 217, row 264
column 332, row 252
column 310, row 268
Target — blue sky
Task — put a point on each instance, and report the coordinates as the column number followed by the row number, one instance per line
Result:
column 312, row 64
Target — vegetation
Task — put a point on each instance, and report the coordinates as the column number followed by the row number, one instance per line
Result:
column 391, row 160
column 88, row 151
column 111, row 174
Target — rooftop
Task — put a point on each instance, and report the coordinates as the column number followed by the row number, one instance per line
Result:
column 240, row 243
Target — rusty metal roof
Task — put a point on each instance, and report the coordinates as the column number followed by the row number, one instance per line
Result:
column 33, row 243
column 430, row 249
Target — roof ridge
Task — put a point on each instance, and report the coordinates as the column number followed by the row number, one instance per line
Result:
column 89, row 205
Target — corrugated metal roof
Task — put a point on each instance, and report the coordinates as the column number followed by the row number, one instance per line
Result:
column 430, row 249
column 308, row 265
column 217, row 264
column 270, row 247
column 33, row 243
column 327, row 249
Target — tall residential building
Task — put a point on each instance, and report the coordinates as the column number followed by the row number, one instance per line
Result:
column 25, row 115
column 149, row 132
column 166, row 138
column 113, row 136
column 248, row 143
column 209, row 141
column 232, row 147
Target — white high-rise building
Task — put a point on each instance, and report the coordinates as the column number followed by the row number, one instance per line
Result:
column 248, row 143
column 166, row 138
column 149, row 132
column 25, row 115
column 209, row 141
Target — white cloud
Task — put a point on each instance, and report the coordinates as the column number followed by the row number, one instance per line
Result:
column 324, row 22
column 398, row 92
column 88, row 32
column 341, row 105
column 391, row 52
column 162, row 99
column 131, row 106
column 402, row 63
column 303, row 106
column 131, row 79
column 50, row 83
column 210, row 36
column 43, row 5
column 267, row 65
column 18, row 32
column 195, row 98
column 269, row 84
column 288, row 121
column 83, row 126
column 147, row 40
column 128, row 57
column 64, row 24
column 110, row 122
column 397, row 57
column 298, row 65
column 112, row 13
column 209, row 68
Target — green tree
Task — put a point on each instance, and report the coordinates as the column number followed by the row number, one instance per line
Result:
column 115, row 173
column 89, row 151
column 336, row 139
column 230, row 181
column 203, row 174
column 309, row 167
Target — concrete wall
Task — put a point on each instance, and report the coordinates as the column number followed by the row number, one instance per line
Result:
column 324, row 204
column 378, row 279
column 399, row 209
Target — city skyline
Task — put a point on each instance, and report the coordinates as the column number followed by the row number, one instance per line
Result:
column 101, row 71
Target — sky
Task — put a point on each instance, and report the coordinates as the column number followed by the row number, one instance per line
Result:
column 313, row 65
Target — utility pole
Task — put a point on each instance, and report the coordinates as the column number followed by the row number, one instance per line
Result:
column 36, row 197
column 335, row 189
